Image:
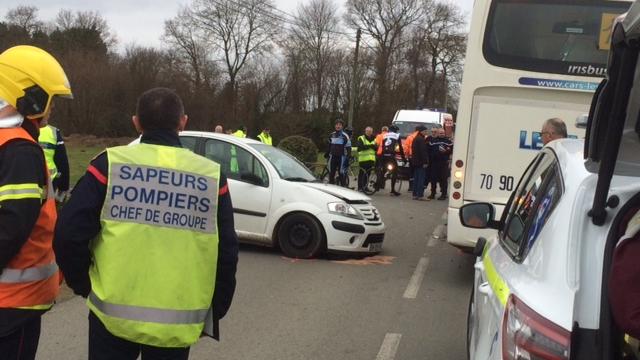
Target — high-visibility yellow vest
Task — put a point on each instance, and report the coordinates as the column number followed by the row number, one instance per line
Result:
column 48, row 140
column 265, row 138
column 240, row 134
column 155, row 259
column 366, row 154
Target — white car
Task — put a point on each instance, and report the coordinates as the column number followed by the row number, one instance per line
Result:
column 278, row 202
column 539, row 282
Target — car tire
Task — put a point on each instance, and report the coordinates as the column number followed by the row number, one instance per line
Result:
column 300, row 236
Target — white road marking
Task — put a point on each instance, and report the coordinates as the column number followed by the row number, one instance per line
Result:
column 439, row 232
column 416, row 279
column 389, row 347
column 433, row 241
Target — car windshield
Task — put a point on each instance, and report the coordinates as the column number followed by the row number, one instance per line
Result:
column 561, row 37
column 407, row 127
column 287, row 166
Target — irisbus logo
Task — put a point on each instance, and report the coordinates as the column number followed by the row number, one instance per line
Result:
column 535, row 141
column 588, row 70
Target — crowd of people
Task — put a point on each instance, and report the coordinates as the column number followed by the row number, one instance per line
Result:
column 426, row 152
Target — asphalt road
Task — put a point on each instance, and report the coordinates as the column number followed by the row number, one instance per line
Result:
column 409, row 302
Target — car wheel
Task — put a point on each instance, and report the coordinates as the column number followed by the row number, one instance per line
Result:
column 300, row 236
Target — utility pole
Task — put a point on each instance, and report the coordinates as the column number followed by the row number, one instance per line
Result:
column 354, row 77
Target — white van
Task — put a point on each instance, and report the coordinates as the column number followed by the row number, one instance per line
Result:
column 407, row 120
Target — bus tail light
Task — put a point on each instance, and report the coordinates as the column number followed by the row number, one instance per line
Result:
column 459, row 163
column 456, row 196
column 527, row 335
column 457, row 174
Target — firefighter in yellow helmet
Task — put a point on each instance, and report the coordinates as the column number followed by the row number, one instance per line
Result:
column 29, row 279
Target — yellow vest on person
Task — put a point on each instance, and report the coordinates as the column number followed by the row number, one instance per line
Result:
column 265, row 138
column 48, row 140
column 155, row 259
column 240, row 134
column 368, row 154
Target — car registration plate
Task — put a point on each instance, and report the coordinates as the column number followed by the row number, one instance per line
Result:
column 375, row 247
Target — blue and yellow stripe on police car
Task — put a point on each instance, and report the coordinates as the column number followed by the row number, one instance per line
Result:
column 497, row 284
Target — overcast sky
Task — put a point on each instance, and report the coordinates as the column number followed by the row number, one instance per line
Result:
column 142, row 21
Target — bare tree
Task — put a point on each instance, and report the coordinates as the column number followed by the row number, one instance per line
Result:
column 183, row 34
column 315, row 36
column 239, row 29
column 26, row 18
column 443, row 42
column 384, row 21
column 87, row 20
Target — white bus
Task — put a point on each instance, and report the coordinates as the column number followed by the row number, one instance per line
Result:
column 527, row 61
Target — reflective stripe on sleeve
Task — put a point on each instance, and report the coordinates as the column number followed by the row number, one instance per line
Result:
column 499, row 287
column 147, row 314
column 36, row 307
column 29, row 274
column 20, row 191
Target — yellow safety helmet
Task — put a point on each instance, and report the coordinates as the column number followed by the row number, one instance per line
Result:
column 29, row 79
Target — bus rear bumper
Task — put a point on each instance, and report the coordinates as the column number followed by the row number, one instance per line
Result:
column 463, row 237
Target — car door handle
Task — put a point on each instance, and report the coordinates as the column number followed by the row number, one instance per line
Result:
column 484, row 288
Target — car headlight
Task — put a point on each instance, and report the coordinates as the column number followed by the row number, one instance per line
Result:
column 344, row 209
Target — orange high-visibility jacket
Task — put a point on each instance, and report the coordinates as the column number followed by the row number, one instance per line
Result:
column 31, row 279
column 378, row 142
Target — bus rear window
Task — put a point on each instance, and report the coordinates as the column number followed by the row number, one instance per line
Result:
column 560, row 37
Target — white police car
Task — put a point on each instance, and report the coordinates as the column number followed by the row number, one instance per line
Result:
column 541, row 284
column 278, row 202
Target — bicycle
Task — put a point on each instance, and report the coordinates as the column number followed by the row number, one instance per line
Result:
column 321, row 172
column 384, row 173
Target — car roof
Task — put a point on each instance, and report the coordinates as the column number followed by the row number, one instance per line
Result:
column 226, row 137
column 570, row 155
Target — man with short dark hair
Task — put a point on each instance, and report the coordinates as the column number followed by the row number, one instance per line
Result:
column 440, row 148
column 553, row 129
column 338, row 153
column 419, row 161
column 148, row 237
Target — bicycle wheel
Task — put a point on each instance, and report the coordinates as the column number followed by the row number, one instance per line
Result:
column 371, row 182
column 321, row 172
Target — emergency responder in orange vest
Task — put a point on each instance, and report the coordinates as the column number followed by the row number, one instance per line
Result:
column 29, row 279
column 378, row 141
column 379, row 137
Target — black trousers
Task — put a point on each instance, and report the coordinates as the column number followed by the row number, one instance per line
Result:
column 364, row 166
column 21, row 344
column 439, row 174
column 388, row 160
column 105, row 346
column 335, row 164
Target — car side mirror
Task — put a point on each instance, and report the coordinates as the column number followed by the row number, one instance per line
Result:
column 478, row 216
column 252, row 179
